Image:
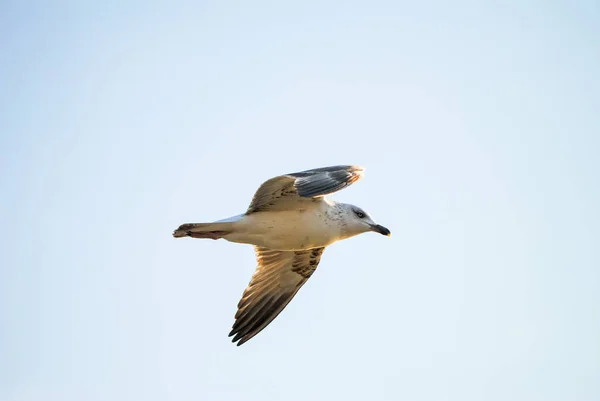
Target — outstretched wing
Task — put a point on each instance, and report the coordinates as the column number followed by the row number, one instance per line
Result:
column 278, row 277
column 287, row 190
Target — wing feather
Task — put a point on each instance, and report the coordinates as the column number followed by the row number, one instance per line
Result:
column 289, row 190
column 278, row 277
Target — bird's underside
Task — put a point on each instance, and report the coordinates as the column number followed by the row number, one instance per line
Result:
column 280, row 273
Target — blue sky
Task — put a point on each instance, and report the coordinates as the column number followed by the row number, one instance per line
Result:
column 477, row 123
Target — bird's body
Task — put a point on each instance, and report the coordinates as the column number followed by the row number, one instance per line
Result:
column 290, row 223
column 319, row 224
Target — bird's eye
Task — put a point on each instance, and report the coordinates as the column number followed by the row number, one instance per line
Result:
column 360, row 214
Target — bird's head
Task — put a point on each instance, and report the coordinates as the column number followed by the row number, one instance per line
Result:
column 357, row 221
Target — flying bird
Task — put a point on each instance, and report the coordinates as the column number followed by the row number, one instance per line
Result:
column 289, row 222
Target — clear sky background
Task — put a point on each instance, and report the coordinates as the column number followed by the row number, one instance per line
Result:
column 477, row 122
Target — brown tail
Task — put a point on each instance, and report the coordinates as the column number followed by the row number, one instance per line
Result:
column 204, row 230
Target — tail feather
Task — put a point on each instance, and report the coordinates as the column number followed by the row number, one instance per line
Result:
column 214, row 230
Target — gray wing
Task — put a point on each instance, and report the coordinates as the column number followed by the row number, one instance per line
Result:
column 278, row 277
column 286, row 191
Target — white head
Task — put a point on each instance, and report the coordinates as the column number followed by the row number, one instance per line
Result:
column 357, row 221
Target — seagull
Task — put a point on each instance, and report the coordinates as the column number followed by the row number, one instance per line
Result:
column 290, row 221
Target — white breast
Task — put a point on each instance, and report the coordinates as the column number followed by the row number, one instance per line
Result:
column 311, row 227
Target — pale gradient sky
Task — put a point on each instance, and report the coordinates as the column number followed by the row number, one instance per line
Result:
column 479, row 128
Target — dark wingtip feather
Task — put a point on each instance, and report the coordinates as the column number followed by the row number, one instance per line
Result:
column 238, row 339
column 327, row 180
